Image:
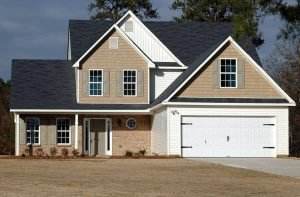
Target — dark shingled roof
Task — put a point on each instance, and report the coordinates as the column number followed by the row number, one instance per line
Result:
column 50, row 84
column 187, row 41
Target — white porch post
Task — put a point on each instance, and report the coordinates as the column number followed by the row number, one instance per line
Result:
column 76, row 131
column 17, row 134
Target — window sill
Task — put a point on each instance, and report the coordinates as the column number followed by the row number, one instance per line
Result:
column 34, row 145
column 64, row 145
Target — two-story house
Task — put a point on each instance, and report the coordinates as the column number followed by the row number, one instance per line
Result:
column 186, row 89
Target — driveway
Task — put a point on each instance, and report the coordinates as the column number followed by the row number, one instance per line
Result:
column 285, row 167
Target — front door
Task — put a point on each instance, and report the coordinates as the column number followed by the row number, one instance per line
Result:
column 97, row 136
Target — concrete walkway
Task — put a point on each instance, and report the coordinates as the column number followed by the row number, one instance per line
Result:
column 285, row 167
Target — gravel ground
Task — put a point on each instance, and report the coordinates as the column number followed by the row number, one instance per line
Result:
column 137, row 177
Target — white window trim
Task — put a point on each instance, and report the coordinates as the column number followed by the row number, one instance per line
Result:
column 36, row 118
column 136, row 82
column 102, row 75
column 110, row 46
column 236, row 72
column 129, row 120
column 70, row 132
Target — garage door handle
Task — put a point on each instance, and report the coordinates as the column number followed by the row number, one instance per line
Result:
column 186, row 147
column 270, row 147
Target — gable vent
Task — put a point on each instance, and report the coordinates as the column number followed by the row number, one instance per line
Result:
column 114, row 43
column 129, row 26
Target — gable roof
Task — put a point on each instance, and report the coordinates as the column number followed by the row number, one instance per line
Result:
column 97, row 44
column 187, row 41
column 180, row 81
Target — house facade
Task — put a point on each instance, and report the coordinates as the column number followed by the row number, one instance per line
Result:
column 184, row 89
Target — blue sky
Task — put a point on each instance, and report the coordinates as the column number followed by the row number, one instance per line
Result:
column 38, row 29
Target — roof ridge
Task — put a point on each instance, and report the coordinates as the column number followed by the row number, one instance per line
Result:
column 155, row 21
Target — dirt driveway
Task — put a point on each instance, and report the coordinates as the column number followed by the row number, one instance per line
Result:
column 137, row 177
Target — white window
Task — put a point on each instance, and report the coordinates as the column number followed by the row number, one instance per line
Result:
column 129, row 26
column 228, row 73
column 95, row 82
column 63, row 131
column 129, row 82
column 131, row 123
column 114, row 43
column 33, row 131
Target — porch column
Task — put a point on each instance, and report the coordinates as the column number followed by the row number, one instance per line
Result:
column 17, row 134
column 76, row 131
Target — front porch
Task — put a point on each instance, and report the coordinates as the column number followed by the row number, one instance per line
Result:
column 89, row 134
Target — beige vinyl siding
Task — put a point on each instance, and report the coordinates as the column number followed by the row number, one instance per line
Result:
column 123, row 139
column 113, row 62
column 205, row 83
column 48, row 133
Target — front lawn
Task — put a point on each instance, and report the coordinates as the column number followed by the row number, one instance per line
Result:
column 137, row 177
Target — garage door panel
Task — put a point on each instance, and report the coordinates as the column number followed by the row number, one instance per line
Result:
column 228, row 137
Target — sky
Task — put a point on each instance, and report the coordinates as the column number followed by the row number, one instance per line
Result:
column 38, row 29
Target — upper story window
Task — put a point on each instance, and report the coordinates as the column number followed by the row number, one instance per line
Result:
column 63, row 131
column 228, row 72
column 129, row 26
column 95, row 82
column 33, row 131
column 129, row 82
column 113, row 43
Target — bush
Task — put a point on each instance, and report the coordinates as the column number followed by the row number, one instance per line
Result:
column 75, row 152
column 26, row 152
column 128, row 153
column 53, row 151
column 142, row 152
column 64, row 152
column 39, row 152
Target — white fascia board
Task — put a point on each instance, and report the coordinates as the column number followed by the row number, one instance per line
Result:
column 76, row 64
column 199, row 67
column 263, row 72
column 230, row 39
column 230, row 104
column 153, row 36
column 149, row 61
column 146, row 111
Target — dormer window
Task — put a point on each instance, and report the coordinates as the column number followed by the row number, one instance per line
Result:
column 228, row 73
column 113, row 43
column 129, row 26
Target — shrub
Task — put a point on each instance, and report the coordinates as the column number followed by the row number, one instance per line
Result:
column 75, row 152
column 128, row 153
column 39, row 152
column 53, row 151
column 26, row 152
column 142, row 152
column 64, row 152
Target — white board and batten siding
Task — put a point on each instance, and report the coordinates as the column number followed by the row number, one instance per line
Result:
column 159, row 130
column 277, row 115
column 147, row 44
column 161, row 79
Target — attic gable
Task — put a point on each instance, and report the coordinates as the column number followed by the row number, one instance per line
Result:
column 206, row 82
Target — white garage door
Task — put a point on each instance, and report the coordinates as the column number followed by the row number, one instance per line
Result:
column 228, row 137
